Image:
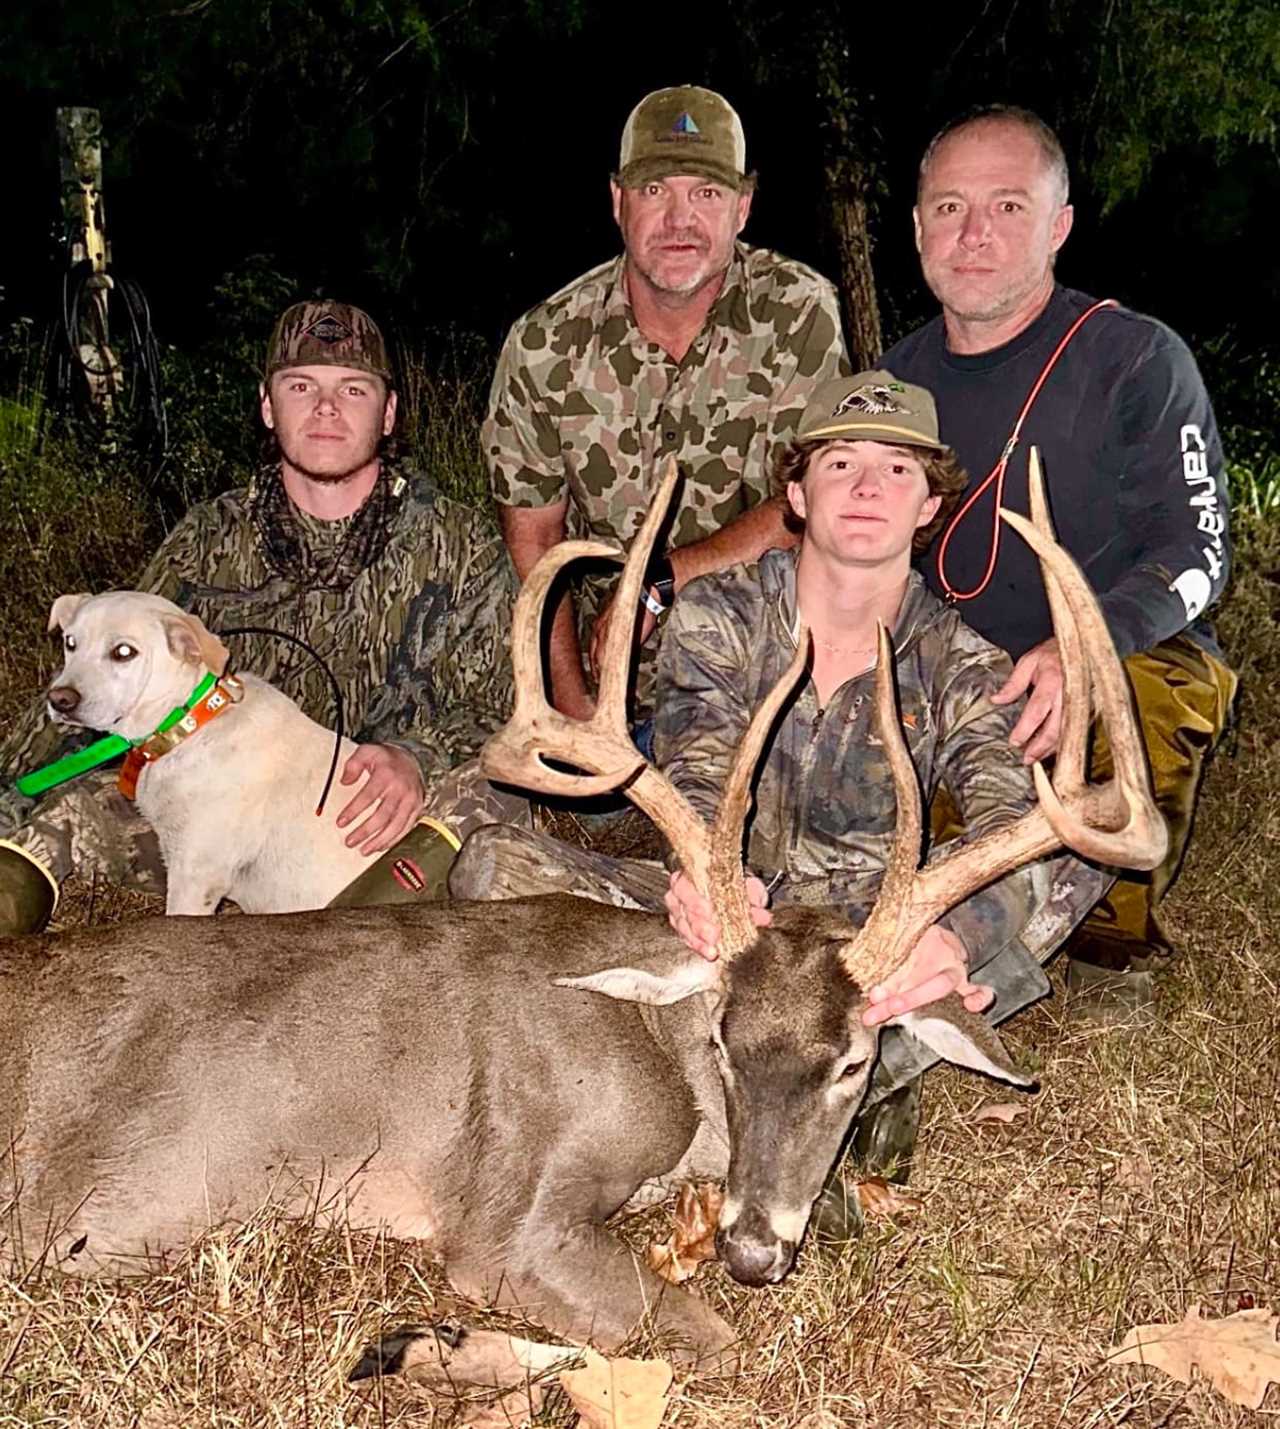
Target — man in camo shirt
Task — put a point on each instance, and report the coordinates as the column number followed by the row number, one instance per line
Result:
column 404, row 593
column 689, row 345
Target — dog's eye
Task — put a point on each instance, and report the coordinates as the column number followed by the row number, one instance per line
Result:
column 852, row 1069
column 69, row 642
column 123, row 651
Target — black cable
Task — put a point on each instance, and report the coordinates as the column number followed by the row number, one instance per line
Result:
column 337, row 692
column 145, row 386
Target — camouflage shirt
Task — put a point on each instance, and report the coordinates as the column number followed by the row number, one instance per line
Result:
column 585, row 408
column 825, row 808
column 417, row 641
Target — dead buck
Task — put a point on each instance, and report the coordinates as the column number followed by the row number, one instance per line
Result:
column 455, row 1074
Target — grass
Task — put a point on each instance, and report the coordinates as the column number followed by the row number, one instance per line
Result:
column 1143, row 1178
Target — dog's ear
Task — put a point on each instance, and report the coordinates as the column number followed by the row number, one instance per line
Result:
column 63, row 610
column 192, row 643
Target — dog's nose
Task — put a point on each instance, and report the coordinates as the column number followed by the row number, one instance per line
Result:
column 64, row 698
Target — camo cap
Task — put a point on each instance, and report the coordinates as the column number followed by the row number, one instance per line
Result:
column 872, row 407
column 324, row 333
column 686, row 130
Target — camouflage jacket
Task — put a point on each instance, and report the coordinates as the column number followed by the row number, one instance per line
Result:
column 585, row 408
column 418, row 642
column 825, row 809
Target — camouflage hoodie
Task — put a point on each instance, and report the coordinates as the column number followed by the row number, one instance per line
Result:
column 825, row 810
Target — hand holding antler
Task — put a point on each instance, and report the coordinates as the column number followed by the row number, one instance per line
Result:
column 693, row 917
column 938, row 965
column 1040, row 724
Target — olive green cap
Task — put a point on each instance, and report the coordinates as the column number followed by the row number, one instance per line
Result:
column 324, row 333
column 872, row 407
column 685, row 130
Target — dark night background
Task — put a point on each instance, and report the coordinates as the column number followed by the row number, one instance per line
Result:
column 446, row 165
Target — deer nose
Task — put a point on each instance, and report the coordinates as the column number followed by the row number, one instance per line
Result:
column 755, row 1262
column 64, row 698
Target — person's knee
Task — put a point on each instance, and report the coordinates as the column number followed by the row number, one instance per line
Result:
column 477, row 871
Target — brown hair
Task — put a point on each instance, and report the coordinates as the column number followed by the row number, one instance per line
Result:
column 942, row 470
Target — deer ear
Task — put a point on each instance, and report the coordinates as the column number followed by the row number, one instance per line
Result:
column 963, row 1038
column 63, row 610
column 694, row 974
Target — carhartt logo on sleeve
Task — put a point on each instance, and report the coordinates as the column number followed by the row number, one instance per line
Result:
column 873, row 398
column 328, row 329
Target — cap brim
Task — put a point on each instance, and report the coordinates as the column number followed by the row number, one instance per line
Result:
column 660, row 166
column 872, row 432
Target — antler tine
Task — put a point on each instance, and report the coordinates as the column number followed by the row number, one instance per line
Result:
column 1121, row 824
column 1115, row 823
column 862, row 958
column 1073, row 739
column 514, row 754
column 536, row 732
column 727, row 893
column 616, row 659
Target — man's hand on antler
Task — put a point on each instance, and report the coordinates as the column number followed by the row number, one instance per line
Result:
column 938, row 965
column 690, row 914
column 1037, row 730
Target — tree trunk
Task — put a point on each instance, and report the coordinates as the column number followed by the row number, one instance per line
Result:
column 847, row 213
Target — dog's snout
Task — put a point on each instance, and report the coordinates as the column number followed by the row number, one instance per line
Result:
column 64, row 698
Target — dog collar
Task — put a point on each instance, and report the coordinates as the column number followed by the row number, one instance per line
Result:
column 193, row 716
column 49, row 776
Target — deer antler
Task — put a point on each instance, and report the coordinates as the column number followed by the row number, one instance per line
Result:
column 536, row 732
column 1115, row 823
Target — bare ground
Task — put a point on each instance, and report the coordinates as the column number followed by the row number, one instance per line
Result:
column 1143, row 1179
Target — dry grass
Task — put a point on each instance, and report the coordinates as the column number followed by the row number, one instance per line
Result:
column 1144, row 1178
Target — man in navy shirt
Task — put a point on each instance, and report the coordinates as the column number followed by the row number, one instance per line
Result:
column 1134, row 471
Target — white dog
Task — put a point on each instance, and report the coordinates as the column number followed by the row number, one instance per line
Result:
column 234, row 801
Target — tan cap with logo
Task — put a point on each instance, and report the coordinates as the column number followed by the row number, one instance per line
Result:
column 872, row 407
column 324, row 333
column 686, row 130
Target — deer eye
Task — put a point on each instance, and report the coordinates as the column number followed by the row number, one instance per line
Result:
column 69, row 642
column 123, row 651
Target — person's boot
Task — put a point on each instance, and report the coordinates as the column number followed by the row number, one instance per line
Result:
column 882, row 1143
column 28, row 893
column 1109, row 983
column 416, row 870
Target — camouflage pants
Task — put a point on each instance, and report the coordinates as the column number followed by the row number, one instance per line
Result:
column 503, row 862
column 89, row 827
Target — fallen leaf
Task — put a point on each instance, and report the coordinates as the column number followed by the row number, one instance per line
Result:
column 618, row 1394
column 1135, row 1173
column 1238, row 1355
column 693, row 1234
column 999, row 1111
column 879, row 1197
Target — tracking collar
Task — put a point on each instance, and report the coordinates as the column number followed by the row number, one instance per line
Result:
column 181, row 722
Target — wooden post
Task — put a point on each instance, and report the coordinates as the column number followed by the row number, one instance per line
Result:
column 84, row 227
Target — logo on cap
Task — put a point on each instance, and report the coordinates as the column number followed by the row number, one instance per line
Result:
column 872, row 398
column 328, row 329
column 685, row 125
